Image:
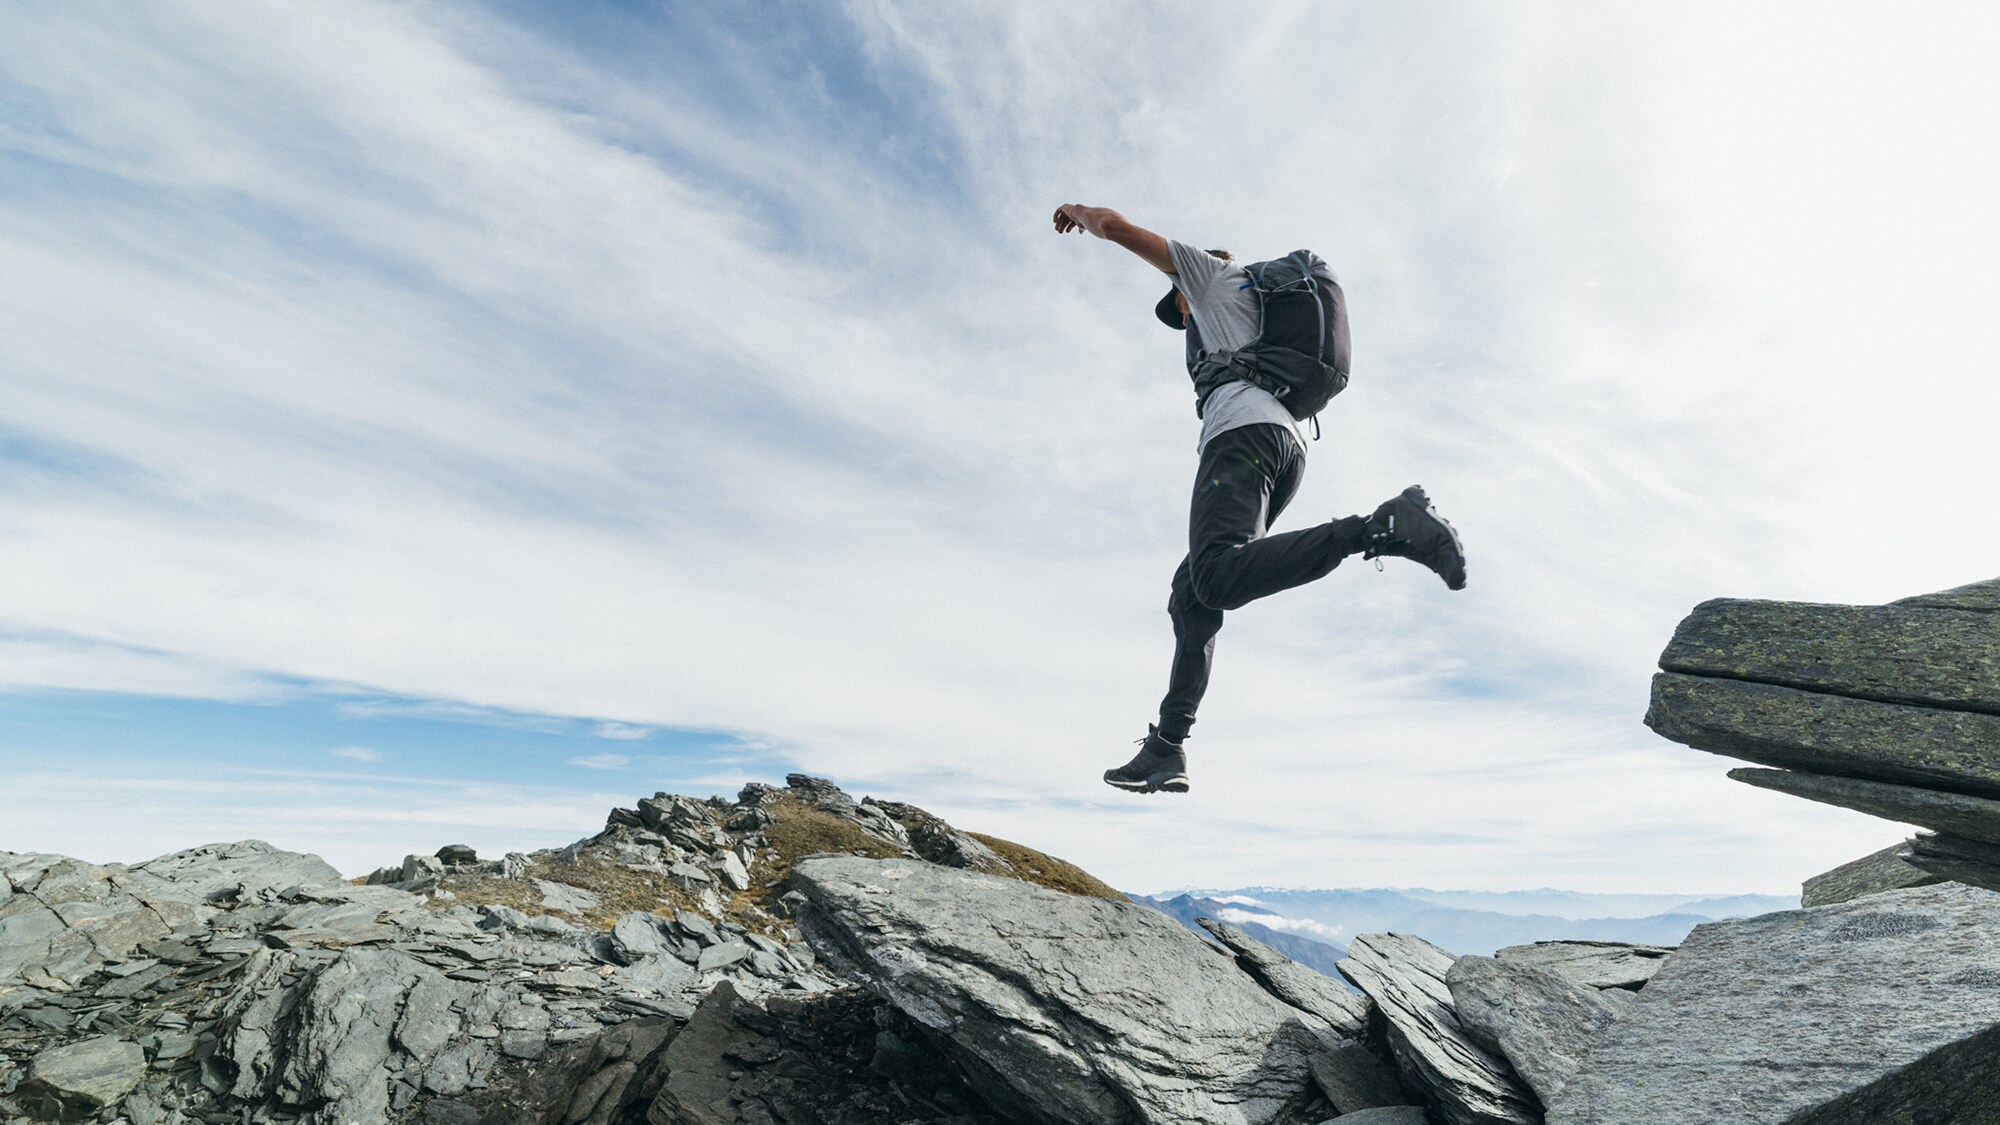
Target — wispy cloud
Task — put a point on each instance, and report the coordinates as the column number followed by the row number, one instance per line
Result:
column 664, row 378
column 357, row 753
column 603, row 761
column 1279, row 922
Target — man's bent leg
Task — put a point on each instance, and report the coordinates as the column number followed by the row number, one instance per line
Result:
column 1247, row 476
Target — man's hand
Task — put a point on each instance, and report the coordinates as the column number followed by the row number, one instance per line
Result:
column 1113, row 227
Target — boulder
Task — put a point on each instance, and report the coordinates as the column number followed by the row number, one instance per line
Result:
column 1946, row 658
column 84, row 1077
column 203, row 874
column 1466, row 1083
column 1302, row 988
column 1541, row 1023
column 1886, row 870
column 1975, row 817
column 1070, row 1009
column 637, row 935
column 1596, row 964
column 1806, row 1008
column 1791, row 728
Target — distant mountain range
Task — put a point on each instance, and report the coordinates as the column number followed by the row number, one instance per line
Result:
column 1313, row 927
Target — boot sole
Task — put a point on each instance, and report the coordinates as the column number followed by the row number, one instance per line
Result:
column 1173, row 783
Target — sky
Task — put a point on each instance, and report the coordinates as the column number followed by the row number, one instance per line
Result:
column 427, row 423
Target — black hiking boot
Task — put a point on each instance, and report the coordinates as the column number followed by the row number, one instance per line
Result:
column 1159, row 767
column 1408, row 527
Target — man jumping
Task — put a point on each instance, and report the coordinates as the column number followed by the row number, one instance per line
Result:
column 1252, row 458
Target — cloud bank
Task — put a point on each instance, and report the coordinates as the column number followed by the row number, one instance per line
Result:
column 679, row 372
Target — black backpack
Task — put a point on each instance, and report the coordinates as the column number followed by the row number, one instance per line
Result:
column 1301, row 352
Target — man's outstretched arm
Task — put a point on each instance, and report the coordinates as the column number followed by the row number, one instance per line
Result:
column 1110, row 226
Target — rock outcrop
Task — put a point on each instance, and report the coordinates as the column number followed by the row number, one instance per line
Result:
column 1764, row 1019
column 1077, row 1011
column 1465, row 1082
column 1541, row 1023
column 1881, row 1000
column 1893, row 710
column 240, row 982
column 1886, row 870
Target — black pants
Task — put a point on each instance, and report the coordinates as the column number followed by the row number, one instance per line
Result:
column 1247, row 476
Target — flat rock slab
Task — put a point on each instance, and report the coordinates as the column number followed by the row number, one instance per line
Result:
column 1467, row 1084
column 1886, row 870
column 1598, row 964
column 1897, row 654
column 1786, row 727
column 1976, row 818
column 1541, row 1023
column 1767, row 1019
column 1076, row 1010
column 88, row 1075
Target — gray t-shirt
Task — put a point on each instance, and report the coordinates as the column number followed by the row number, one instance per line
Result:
column 1226, row 312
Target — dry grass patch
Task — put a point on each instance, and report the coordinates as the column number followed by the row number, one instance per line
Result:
column 620, row 890
column 1031, row 866
column 798, row 830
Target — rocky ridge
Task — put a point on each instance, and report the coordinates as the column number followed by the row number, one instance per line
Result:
column 799, row 956
column 241, row 983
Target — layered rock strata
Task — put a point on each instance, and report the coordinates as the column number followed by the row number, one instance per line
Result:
column 1467, row 1083
column 1893, row 710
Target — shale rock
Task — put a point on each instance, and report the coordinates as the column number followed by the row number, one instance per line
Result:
column 1353, row 1077
column 84, row 1077
column 934, row 840
column 1596, row 964
column 1976, row 818
column 1302, row 988
column 1541, row 1023
column 1944, row 856
column 1072, row 1009
column 1387, row 1115
column 1886, row 870
column 242, row 869
column 1930, row 657
column 1463, row 1081
column 1780, row 1017
column 1790, row 728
